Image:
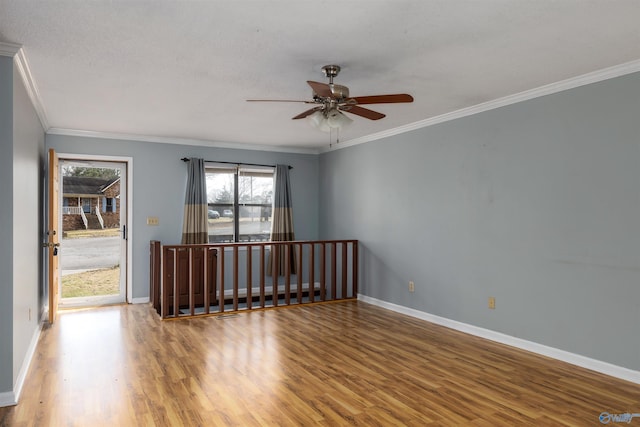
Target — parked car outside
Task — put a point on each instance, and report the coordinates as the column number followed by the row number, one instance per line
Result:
column 227, row 213
column 213, row 214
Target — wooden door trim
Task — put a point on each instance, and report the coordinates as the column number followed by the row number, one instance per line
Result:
column 53, row 234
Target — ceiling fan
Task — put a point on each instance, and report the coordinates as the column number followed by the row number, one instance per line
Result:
column 332, row 99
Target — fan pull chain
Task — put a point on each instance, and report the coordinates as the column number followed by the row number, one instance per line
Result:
column 331, row 136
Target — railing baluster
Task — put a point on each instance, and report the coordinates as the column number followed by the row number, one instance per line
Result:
column 275, row 271
column 344, row 271
column 333, row 272
column 249, row 278
column 262, row 274
column 287, row 274
column 216, row 293
column 221, row 264
column 192, row 308
column 312, row 284
column 205, row 278
column 235, row 278
column 176, row 291
column 299, row 271
column 354, row 268
column 164, row 287
column 323, row 272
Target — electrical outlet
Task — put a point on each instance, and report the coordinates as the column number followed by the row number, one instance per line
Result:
column 412, row 286
column 153, row 220
column 492, row 303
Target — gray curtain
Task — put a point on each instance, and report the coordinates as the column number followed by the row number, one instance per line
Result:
column 195, row 225
column 282, row 219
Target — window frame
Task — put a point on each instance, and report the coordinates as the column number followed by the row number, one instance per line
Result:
column 236, row 204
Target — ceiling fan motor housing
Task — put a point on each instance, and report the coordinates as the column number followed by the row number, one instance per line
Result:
column 339, row 91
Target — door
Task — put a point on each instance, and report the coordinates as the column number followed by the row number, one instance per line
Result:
column 94, row 256
column 53, row 234
column 196, row 273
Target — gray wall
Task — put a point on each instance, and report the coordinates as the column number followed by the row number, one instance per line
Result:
column 6, row 224
column 536, row 204
column 159, row 181
column 28, row 167
column 21, row 163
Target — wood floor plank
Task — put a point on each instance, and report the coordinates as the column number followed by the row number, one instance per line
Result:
column 346, row 363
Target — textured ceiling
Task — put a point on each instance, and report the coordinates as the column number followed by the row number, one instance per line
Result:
column 183, row 69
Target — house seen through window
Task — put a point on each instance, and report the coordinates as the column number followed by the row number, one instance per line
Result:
column 239, row 204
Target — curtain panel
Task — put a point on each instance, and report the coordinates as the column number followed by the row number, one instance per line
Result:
column 195, row 226
column 282, row 220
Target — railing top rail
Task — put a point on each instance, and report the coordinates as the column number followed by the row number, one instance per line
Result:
column 258, row 244
column 72, row 208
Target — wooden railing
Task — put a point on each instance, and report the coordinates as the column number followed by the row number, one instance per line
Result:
column 100, row 220
column 71, row 210
column 84, row 219
column 76, row 210
column 194, row 280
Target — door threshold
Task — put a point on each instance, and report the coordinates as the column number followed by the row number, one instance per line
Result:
column 79, row 302
column 71, row 309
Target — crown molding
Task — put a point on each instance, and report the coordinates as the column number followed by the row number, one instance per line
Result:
column 32, row 88
column 17, row 52
column 571, row 83
column 180, row 141
column 9, row 49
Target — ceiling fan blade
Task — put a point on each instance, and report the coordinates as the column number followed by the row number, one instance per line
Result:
column 321, row 89
column 382, row 99
column 363, row 112
column 306, row 113
column 279, row 100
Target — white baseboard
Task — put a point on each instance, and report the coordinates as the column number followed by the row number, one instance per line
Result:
column 565, row 356
column 8, row 398
column 22, row 375
column 141, row 300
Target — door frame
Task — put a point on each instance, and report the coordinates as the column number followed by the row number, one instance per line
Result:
column 128, row 161
column 53, row 231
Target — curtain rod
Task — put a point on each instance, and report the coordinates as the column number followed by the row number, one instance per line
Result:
column 184, row 159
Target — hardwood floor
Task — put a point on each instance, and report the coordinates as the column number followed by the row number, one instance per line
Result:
column 347, row 363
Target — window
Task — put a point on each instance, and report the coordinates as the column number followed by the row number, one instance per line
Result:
column 86, row 205
column 108, row 204
column 240, row 204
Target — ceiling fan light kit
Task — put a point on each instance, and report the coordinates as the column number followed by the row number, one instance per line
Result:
column 337, row 119
column 326, row 120
column 319, row 121
column 333, row 100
